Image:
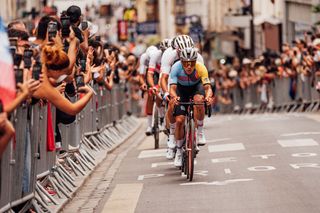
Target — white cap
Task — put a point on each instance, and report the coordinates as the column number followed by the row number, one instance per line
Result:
column 246, row 61
column 316, row 42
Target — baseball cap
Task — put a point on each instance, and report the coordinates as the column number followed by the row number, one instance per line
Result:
column 74, row 12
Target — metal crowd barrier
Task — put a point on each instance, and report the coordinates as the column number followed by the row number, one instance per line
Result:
column 32, row 177
column 284, row 94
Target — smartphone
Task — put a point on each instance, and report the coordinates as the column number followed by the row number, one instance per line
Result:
column 19, row 75
column 36, row 71
column 84, row 25
column 65, row 22
column 83, row 63
column 27, row 54
column 17, row 60
column 13, row 41
column 79, row 81
column 52, row 30
column 98, row 38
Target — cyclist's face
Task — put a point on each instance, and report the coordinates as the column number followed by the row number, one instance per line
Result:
column 188, row 66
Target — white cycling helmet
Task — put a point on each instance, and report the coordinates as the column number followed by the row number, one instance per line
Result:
column 165, row 44
column 183, row 41
column 188, row 54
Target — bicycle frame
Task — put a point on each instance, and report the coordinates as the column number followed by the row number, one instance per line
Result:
column 189, row 147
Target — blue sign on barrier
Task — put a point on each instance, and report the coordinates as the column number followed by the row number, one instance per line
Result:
column 145, row 28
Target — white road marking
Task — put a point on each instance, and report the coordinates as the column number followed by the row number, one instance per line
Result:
column 154, row 165
column 261, row 168
column 304, row 155
column 142, row 177
column 305, row 165
column 152, row 153
column 218, row 140
column 265, row 156
column 226, row 147
column 227, row 171
column 300, row 133
column 298, row 142
column 124, row 198
column 223, row 160
column 217, row 183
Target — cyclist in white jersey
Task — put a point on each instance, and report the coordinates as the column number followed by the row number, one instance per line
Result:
column 150, row 67
column 169, row 57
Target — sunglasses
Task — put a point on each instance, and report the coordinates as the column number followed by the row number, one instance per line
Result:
column 189, row 63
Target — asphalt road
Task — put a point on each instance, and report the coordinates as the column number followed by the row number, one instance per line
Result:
column 252, row 163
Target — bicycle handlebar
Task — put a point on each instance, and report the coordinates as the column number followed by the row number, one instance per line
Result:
column 192, row 103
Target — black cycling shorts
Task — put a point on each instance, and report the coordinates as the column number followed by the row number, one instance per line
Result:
column 186, row 93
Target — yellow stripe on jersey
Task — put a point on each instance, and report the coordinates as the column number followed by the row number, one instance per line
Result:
column 202, row 72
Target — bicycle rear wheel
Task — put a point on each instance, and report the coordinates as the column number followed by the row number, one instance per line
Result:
column 156, row 130
column 190, row 150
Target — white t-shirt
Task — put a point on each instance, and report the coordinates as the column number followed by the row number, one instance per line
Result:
column 169, row 56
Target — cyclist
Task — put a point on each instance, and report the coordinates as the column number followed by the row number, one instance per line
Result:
column 169, row 57
column 188, row 78
column 150, row 64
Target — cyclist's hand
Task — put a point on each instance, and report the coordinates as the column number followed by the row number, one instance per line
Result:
column 143, row 87
column 176, row 100
column 209, row 100
column 166, row 97
column 154, row 90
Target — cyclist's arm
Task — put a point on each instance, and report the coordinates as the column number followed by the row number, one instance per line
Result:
column 208, row 91
column 173, row 91
column 150, row 79
column 164, row 82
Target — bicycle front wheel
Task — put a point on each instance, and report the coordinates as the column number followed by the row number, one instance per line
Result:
column 191, row 150
column 156, row 130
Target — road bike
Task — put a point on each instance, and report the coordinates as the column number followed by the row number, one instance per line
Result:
column 189, row 148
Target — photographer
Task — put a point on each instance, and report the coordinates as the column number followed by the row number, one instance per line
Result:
column 74, row 13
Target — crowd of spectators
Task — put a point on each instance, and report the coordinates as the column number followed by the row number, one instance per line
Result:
column 296, row 62
column 61, row 58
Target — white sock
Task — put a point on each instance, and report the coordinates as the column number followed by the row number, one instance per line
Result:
column 200, row 125
column 172, row 128
column 179, row 143
column 149, row 120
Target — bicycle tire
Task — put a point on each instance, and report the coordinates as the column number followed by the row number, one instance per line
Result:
column 191, row 150
column 156, row 130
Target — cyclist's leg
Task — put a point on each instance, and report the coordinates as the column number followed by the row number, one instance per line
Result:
column 179, row 134
column 159, row 104
column 199, row 113
column 149, row 110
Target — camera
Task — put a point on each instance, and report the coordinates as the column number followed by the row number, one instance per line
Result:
column 18, row 75
column 13, row 41
column 27, row 54
column 79, row 81
column 84, row 25
column 65, row 22
column 83, row 63
column 36, row 71
column 52, row 30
